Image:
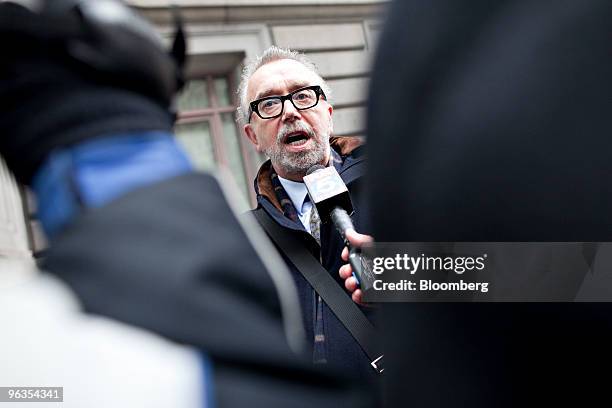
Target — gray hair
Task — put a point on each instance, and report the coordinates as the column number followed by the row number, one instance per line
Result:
column 272, row 54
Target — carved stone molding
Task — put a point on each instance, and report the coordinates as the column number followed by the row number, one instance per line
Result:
column 262, row 11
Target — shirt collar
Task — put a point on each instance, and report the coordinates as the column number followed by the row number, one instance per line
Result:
column 296, row 191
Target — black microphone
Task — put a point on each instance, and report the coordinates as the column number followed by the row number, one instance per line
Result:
column 332, row 201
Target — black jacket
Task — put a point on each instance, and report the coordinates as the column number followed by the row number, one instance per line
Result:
column 493, row 118
column 171, row 258
column 341, row 349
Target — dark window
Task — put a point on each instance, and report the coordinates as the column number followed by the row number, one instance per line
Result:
column 207, row 130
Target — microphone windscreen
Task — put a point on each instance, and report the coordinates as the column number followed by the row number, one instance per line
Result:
column 327, row 190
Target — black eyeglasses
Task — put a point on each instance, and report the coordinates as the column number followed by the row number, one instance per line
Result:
column 273, row 106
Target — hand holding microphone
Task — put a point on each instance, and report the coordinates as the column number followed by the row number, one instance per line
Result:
column 346, row 271
column 331, row 198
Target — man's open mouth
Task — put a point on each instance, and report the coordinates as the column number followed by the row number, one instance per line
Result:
column 296, row 138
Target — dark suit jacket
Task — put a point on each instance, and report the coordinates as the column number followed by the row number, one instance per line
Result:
column 492, row 121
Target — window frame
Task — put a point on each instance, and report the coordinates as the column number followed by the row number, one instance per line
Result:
column 213, row 114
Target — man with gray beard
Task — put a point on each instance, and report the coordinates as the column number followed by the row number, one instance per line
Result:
column 286, row 113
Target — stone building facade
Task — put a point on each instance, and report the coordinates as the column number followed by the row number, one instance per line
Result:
column 339, row 36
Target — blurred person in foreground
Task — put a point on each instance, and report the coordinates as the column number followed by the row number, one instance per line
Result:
column 144, row 301
column 491, row 121
column 286, row 112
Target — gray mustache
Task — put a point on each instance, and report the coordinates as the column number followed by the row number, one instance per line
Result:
column 285, row 130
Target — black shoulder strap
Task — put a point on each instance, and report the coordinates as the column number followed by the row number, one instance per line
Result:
column 332, row 294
